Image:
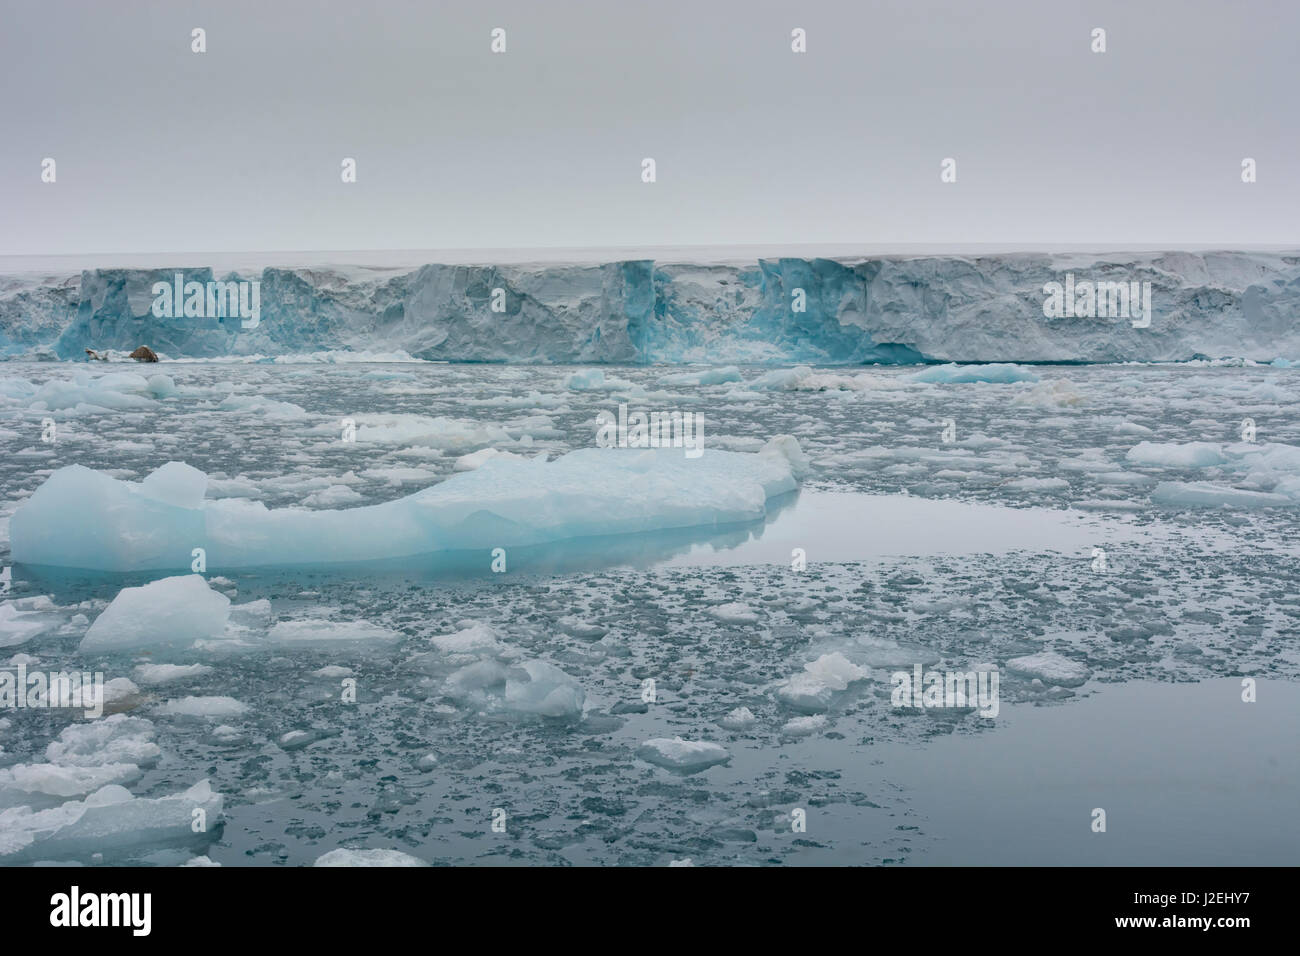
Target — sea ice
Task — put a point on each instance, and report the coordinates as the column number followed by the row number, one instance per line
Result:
column 1197, row 454
column 475, row 639
column 953, row 374
column 815, row 689
column 167, row 673
column 683, row 756
column 734, row 613
column 536, row 687
column 168, row 613
column 318, row 633
column 208, row 707
column 18, row 627
column 804, row 726
column 41, row 785
column 1050, row 668
column 708, row 376
column 501, row 504
column 742, row 718
column 107, row 821
column 1207, row 494
column 118, row 739
column 343, row 857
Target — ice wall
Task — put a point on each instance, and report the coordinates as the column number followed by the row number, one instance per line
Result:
column 885, row 309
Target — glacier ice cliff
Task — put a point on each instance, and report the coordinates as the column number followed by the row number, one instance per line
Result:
column 880, row 309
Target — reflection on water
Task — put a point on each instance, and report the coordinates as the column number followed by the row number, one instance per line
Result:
column 847, row 527
column 829, row 526
column 1188, row 774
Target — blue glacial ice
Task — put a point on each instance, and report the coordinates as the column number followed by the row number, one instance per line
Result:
column 999, row 373
column 503, row 503
column 893, row 309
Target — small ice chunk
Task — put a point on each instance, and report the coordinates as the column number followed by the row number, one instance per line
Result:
column 332, row 671
column 343, row 857
column 1132, row 428
column 1196, row 454
column 822, row 679
column 107, row 821
column 683, row 756
column 536, row 687
column 209, row 707
column 804, row 726
column 477, row 638
column 45, row 784
column 318, row 633
column 119, row 691
column 155, row 674
column 1050, row 668
column 742, row 718
column 169, row 613
column 709, row 376
column 1048, row 485
column 18, row 627
column 734, row 613
column 994, row 373
column 1207, row 494
column 118, row 739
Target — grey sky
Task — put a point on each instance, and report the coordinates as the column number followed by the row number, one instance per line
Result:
column 239, row 149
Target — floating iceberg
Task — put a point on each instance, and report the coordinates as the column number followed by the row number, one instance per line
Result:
column 742, row 718
column 682, row 756
column 108, row 821
column 85, row 758
column 343, row 857
column 595, row 380
column 1050, row 668
column 170, row 613
column 529, row 688
column 1196, row 454
column 821, row 681
column 209, row 708
column 536, row 687
column 1270, row 471
column 1208, row 494
column 709, row 376
column 155, row 674
column 19, row 623
column 81, row 518
column 995, row 373
column 117, row 739
column 329, row 634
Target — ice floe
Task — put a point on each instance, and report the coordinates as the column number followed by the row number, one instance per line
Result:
column 168, row 613
column 156, row 523
column 682, row 756
column 344, row 857
column 108, row 821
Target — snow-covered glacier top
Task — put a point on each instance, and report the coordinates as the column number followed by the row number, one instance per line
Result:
column 965, row 308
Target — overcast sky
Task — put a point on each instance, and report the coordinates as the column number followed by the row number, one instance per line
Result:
column 238, row 149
